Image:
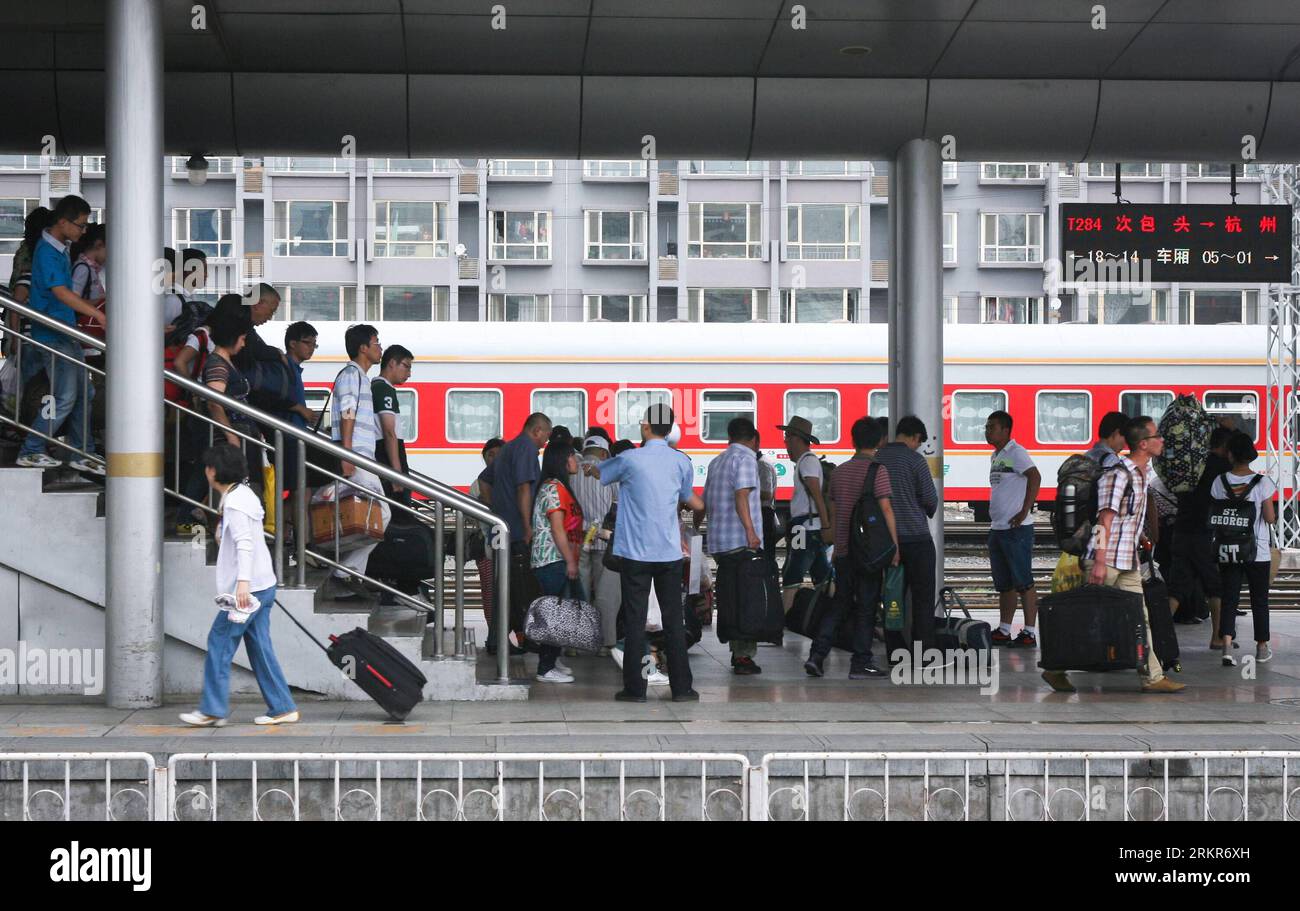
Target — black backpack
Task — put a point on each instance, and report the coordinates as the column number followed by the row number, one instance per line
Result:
column 871, row 546
column 194, row 313
column 1233, row 523
column 1075, row 509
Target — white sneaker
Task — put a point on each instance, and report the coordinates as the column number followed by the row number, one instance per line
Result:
column 562, row 667
column 617, row 654
column 38, row 460
column 200, row 720
column 1263, row 652
column 88, row 466
column 286, row 718
column 657, row 678
column 555, row 675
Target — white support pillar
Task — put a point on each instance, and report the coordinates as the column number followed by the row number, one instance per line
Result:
column 916, row 304
column 134, row 443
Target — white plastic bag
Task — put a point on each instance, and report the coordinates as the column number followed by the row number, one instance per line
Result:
column 654, row 618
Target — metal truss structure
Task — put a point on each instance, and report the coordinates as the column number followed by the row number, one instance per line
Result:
column 1281, row 406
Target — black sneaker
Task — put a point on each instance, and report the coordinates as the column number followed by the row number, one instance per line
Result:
column 999, row 637
column 1024, row 640
column 625, row 696
column 745, row 667
column 866, row 672
column 688, row 696
column 813, row 666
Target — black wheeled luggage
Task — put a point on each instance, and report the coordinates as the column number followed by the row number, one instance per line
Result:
column 383, row 673
column 405, row 557
column 754, row 611
column 1164, row 636
column 1092, row 628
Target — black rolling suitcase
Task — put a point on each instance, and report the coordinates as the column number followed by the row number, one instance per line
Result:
column 754, row 612
column 383, row 673
column 406, row 556
column 1164, row 637
column 1092, row 628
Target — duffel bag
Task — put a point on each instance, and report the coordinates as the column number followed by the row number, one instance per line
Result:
column 563, row 622
column 960, row 632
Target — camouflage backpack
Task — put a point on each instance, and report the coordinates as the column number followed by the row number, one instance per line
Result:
column 1186, row 429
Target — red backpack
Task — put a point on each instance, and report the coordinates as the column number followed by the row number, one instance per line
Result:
column 172, row 392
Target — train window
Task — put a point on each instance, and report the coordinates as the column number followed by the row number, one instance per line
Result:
column 408, row 419
column 316, row 400
column 473, row 415
column 563, row 406
column 878, row 403
column 820, row 406
column 1064, row 417
column 717, row 409
column 1152, row 404
column 969, row 412
column 632, row 405
column 1238, row 410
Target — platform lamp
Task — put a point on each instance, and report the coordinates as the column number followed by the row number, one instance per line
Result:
column 196, row 168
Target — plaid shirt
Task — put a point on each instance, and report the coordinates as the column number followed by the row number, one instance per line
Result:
column 1124, row 491
column 735, row 469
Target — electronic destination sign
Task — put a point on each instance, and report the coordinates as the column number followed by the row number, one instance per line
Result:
column 1129, row 242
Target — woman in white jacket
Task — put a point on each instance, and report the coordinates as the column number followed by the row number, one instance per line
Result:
column 244, row 570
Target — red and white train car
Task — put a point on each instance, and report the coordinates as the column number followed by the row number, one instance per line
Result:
column 473, row 381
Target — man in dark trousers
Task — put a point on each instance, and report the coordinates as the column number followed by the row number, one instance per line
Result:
column 654, row 482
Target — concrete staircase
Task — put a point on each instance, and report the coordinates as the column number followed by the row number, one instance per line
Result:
column 52, row 594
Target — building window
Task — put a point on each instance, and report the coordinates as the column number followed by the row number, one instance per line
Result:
column 1152, row 404
column 615, row 236
column 208, row 230
column 1064, row 417
column 1010, row 170
column 1142, row 170
column 90, row 164
column 950, row 238
column 969, row 412
column 820, row 406
column 408, row 303
column 616, row 308
column 414, row 165
column 473, row 415
column 13, row 212
column 26, row 162
column 878, row 403
column 819, row 305
column 1238, row 410
column 520, row 167
column 824, row 168
column 952, row 309
column 311, row 228
column 823, row 232
column 1206, row 171
column 725, row 229
column 519, row 308
column 1011, row 237
column 950, row 172
column 632, row 405
column 717, row 409
column 220, row 165
column 567, row 407
column 96, row 215
column 1149, row 306
column 521, row 235
column 410, row 229
column 600, row 169
column 328, row 303
column 1208, row 307
column 1019, row 310
column 727, row 168
column 726, row 305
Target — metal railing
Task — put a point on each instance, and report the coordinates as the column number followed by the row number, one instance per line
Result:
column 110, row 794
column 439, row 497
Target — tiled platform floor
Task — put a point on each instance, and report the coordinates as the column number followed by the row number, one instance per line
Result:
column 781, row 709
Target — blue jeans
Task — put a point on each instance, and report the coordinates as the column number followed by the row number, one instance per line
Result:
column 811, row 558
column 72, row 392
column 223, row 641
column 553, row 579
column 1011, row 554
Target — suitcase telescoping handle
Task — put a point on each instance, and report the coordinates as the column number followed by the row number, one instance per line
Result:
column 950, row 599
column 319, row 644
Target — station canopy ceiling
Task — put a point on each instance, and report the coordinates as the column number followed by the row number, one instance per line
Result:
column 1164, row 80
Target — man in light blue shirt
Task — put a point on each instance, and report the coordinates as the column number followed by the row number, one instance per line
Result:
column 654, row 481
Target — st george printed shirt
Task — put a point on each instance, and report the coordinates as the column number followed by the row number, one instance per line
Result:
column 1124, row 491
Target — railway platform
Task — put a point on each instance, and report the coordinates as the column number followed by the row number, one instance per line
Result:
column 779, row 710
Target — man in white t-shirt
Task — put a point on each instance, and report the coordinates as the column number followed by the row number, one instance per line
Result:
column 1013, row 487
column 807, row 541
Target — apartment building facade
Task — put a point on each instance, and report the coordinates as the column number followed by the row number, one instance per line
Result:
column 702, row 241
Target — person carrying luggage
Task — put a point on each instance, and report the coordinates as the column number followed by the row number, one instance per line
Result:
column 1240, row 516
column 1112, row 557
column 246, row 593
column 806, row 549
column 1192, row 554
column 558, row 527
